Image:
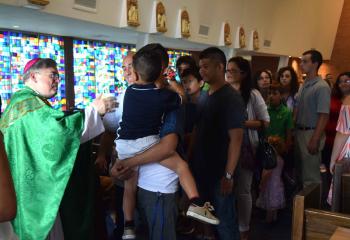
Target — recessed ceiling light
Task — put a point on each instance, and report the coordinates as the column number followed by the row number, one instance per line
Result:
column 15, row 26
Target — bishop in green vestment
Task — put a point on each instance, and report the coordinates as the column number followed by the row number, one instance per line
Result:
column 42, row 145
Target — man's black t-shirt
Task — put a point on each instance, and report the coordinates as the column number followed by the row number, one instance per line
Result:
column 191, row 113
column 217, row 114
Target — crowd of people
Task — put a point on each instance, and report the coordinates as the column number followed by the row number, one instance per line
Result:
column 182, row 154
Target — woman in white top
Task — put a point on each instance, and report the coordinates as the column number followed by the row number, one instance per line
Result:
column 238, row 74
column 341, row 146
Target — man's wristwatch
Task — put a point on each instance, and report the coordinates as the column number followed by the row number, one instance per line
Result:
column 228, row 176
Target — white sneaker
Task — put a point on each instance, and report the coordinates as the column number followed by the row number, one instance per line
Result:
column 129, row 233
column 203, row 214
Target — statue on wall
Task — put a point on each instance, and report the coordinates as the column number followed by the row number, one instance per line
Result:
column 241, row 37
column 227, row 34
column 39, row 2
column 255, row 40
column 185, row 24
column 161, row 17
column 133, row 13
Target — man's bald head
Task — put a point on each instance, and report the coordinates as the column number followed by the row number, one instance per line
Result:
column 128, row 70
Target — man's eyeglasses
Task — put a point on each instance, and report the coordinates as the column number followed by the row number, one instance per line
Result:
column 53, row 76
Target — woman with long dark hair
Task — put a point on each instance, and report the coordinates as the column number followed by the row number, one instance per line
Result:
column 341, row 146
column 238, row 74
column 330, row 131
column 262, row 82
column 288, row 78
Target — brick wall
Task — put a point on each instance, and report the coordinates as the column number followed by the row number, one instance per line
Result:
column 340, row 58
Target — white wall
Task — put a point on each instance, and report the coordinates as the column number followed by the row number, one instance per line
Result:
column 300, row 25
column 292, row 26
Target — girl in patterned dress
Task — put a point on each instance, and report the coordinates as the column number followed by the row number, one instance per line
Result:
column 271, row 197
column 341, row 147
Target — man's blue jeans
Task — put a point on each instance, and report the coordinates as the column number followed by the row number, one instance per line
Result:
column 225, row 210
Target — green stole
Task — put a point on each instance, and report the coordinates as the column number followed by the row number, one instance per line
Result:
column 42, row 145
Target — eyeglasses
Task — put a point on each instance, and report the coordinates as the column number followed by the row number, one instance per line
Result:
column 233, row 71
column 53, row 75
column 345, row 81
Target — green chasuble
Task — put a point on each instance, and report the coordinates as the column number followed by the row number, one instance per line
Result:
column 42, row 145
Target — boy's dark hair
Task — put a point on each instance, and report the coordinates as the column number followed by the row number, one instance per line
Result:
column 294, row 83
column 186, row 60
column 316, row 56
column 148, row 65
column 42, row 63
column 277, row 87
column 215, row 54
column 160, row 50
column 247, row 82
column 191, row 72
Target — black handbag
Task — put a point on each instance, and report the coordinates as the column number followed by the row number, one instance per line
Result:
column 266, row 153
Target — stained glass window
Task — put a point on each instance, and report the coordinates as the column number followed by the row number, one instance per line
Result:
column 84, row 72
column 5, row 69
column 53, row 47
column 97, row 69
column 174, row 55
column 16, row 49
column 97, row 65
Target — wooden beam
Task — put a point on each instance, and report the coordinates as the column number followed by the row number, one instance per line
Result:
column 337, row 188
column 346, row 193
column 341, row 234
column 320, row 225
column 298, row 218
column 309, row 197
column 69, row 72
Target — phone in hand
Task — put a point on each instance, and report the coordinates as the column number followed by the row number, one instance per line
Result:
column 170, row 74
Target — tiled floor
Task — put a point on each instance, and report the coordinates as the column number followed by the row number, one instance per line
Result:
column 281, row 230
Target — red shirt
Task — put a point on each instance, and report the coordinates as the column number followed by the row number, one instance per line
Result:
column 333, row 119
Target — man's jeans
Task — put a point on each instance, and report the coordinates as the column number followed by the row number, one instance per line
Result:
column 160, row 212
column 225, row 210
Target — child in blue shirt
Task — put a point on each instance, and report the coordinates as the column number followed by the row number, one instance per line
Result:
column 143, row 110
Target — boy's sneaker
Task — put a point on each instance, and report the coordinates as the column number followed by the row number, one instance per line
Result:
column 129, row 233
column 203, row 214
